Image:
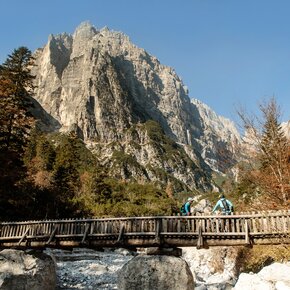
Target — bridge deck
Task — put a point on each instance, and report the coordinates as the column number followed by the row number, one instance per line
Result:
column 166, row 231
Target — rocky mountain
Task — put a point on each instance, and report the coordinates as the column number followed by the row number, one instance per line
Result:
column 220, row 141
column 132, row 111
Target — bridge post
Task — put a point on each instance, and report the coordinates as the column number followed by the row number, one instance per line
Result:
column 120, row 236
column 199, row 243
column 85, row 233
column 157, row 230
column 247, row 234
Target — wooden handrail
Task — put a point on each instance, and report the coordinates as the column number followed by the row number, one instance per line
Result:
column 204, row 216
column 176, row 230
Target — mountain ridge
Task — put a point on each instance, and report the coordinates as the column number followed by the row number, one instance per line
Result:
column 100, row 85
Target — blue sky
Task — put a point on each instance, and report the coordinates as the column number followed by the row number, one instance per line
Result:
column 229, row 53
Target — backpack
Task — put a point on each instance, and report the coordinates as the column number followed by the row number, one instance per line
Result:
column 182, row 209
column 225, row 205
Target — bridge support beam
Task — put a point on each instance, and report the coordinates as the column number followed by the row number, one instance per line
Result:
column 157, row 231
column 85, row 233
column 199, row 244
column 52, row 235
column 120, row 236
column 247, row 233
column 23, row 237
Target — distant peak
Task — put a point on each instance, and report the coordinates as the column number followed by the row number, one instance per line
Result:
column 85, row 30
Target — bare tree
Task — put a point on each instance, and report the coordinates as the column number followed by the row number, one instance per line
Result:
column 271, row 149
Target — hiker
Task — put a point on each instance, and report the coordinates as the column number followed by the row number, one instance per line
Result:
column 185, row 209
column 225, row 205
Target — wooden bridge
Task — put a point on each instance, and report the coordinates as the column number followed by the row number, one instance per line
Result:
column 162, row 231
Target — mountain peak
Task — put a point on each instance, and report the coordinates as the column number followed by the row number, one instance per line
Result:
column 85, row 30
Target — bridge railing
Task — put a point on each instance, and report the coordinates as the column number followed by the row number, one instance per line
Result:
column 242, row 226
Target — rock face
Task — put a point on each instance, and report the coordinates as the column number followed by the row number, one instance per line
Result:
column 19, row 270
column 155, row 272
column 100, row 85
column 220, row 141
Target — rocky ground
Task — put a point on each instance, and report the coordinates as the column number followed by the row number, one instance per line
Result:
column 89, row 269
column 212, row 270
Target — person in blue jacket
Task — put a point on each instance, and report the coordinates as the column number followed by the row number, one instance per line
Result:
column 185, row 209
column 225, row 205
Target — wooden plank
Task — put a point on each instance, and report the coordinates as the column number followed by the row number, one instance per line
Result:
column 253, row 224
column 164, row 225
column 284, row 221
column 193, row 225
column 208, row 225
column 272, row 223
column 247, row 234
column 178, row 226
column 170, row 225
column 11, row 231
column 199, row 244
column 120, row 236
column 217, row 225
column 208, row 234
column 24, row 236
column 280, row 213
column 52, row 235
column 227, row 225
column 157, row 230
column 4, row 232
column 237, row 221
column 244, row 215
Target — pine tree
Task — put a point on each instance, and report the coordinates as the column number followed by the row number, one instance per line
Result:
column 15, row 125
column 274, row 147
column 15, row 90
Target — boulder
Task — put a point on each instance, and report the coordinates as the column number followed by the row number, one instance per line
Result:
column 155, row 272
column 276, row 272
column 272, row 277
column 253, row 281
column 282, row 285
column 26, row 270
column 213, row 268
